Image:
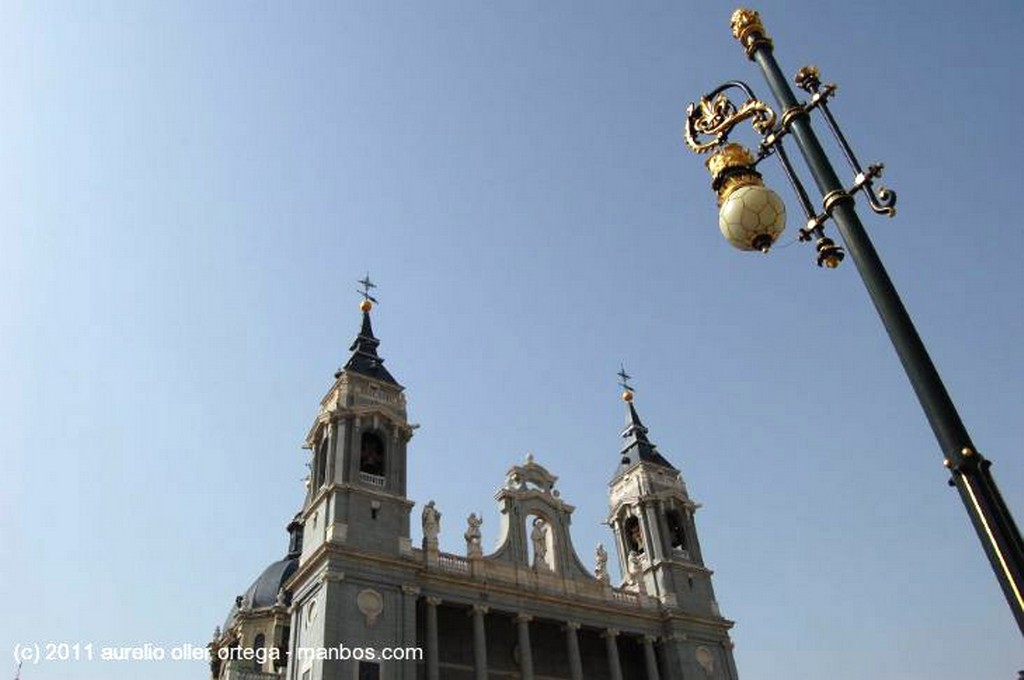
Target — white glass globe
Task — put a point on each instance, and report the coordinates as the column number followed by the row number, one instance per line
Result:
column 752, row 218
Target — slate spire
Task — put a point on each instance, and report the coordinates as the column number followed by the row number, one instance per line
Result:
column 364, row 359
column 637, row 446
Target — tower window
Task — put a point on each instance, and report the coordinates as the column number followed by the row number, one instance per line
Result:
column 371, row 454
column 676, row 529
column 257, row 645
column 634, row 535
column 320, row 464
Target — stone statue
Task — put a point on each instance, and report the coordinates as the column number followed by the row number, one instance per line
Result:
column 601, row 563
column 431, row 522
column 539, row 536
column 472, row 535
column 282, row 597
column 635, row 567
column 706, row 659
column 636, row 573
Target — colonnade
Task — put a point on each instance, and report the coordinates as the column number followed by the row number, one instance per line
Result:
column 572, row 646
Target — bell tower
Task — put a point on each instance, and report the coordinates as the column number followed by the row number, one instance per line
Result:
column 357, row 483
column 652, row 517
column 356, row 522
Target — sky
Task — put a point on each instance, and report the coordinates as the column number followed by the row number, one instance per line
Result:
column 189, row 192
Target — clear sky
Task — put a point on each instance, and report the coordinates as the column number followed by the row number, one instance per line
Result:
column 188, row 192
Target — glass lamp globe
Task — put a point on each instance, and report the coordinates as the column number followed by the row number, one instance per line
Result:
column 752, row 217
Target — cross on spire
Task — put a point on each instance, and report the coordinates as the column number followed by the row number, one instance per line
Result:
column 624, row 378
column 367, row 285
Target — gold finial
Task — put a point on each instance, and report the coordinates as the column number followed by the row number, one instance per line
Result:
column 627, row 396
column 808, row 79
column 365, row 305
column 747, row 28
column 731, row 167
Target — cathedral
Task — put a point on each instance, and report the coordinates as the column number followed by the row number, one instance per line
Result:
column 354, row 599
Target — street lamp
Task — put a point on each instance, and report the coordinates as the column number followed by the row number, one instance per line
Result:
column 751, row 217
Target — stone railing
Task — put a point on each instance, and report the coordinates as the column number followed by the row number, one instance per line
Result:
column 625, row 597
column 372, row 480
column 453, row 563
column 525, row 577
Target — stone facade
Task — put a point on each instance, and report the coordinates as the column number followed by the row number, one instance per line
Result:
column 530, row 610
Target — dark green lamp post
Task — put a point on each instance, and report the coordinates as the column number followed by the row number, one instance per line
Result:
column 752, row 216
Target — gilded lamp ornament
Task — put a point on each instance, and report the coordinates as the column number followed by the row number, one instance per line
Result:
column 747, row 28
column 750, row 215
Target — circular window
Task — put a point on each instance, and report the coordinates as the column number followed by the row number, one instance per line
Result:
column 310, row 612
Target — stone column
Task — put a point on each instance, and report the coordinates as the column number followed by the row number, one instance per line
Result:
column 572, row 642
column 650, row 660
column 614, row 667
column 433, row 649
column 479, row 642
column 525, row 652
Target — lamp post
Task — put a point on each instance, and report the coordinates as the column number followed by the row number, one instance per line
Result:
column 752, row 216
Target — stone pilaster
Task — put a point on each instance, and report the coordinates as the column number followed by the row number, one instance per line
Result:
column 410, row 594
column 433, row 649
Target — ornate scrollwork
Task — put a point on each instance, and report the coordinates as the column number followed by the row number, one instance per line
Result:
column 882, row 200
column 716, row 117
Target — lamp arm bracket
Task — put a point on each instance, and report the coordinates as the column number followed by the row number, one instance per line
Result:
column 881, row 200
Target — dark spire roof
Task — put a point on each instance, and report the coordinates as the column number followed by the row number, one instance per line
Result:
column 638, row 447
column 364, row 359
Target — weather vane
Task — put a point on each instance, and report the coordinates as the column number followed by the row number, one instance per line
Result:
column 367, row 285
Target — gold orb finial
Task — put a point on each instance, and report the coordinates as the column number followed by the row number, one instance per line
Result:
column 627, row 396
column 365, row 305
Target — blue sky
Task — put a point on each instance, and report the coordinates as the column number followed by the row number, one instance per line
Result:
column 189, row 191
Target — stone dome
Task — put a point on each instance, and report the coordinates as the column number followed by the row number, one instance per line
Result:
column 263, row 591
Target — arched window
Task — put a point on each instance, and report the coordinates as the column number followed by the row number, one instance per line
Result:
column 633, row 535
column 321, row 463
column 371, row 454
column 258, row 643
column 676, row 529
column 282, row 658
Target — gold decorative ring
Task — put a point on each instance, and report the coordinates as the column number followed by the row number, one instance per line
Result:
column 791, row 114
column 833, row 197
